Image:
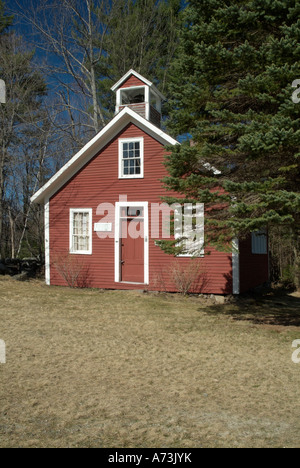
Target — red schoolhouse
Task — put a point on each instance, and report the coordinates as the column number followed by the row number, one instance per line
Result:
column 103, row 212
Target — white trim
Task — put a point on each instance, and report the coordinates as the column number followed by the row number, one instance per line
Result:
column 127, row 75
column 71, row 224
column 126, row 204
column 141, row 78
column 235, row 266
column 139, row 140
column 95, row 145
column 47, row 241
column 147, row 103
column 119, row 102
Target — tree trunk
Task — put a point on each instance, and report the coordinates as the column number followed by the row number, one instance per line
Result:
column 1, row 205
column 297, row 267
column 96, row 109
column 12, row 232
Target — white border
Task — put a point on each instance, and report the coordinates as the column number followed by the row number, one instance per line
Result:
column 119, row 99
column 235, row 266
column 120, row 205
column 141, row 78
column 147, row 92
column 131, row 140
column 47, row 241
column 81, row 210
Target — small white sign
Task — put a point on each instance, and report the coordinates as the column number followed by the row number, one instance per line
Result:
column 103, row 227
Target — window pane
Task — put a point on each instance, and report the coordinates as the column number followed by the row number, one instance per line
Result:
column 131, row 158
column 81, row 232
column 132, row 211
column 75, row 243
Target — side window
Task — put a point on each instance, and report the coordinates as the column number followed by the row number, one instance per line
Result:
column 131, row 158
column 81, row 231
column 260, row 242
column 190, row 227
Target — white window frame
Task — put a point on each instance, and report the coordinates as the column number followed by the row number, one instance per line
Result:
column 139, row 140
column 88, row 211
column 259, row 242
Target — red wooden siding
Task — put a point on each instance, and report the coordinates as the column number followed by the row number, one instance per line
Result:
column 98, row 183
column 254, row 268
column 132, row 81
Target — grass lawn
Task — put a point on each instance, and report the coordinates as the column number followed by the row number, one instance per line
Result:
column 87, row 368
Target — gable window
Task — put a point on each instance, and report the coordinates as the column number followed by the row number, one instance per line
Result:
column 131, row 158
column 81, row 231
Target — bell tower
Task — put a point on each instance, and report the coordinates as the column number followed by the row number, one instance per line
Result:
column 139, row 94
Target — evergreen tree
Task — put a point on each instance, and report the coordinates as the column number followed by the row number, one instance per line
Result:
column 232, row 94
column 141, row 35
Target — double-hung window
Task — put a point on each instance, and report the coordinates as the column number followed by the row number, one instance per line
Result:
column 131, row 158
column 81, row 231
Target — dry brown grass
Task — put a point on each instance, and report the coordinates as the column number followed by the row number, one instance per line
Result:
column 123, row 369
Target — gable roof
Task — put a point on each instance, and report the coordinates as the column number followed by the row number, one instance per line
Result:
column 141, row 78
column 78, row 161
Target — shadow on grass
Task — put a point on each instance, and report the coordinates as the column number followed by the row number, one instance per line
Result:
column 275, row 308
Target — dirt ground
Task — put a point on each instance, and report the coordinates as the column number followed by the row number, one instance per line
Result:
column 87, row 368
